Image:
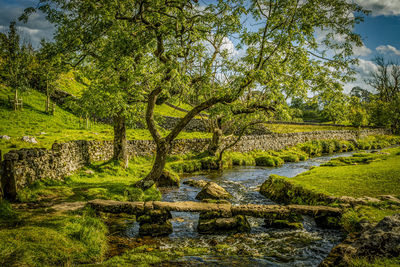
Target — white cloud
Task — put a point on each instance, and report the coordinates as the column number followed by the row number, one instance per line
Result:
column 388, row 49
column 381, row 7
column 228, row 46
column 362, row 51
column 363, row 69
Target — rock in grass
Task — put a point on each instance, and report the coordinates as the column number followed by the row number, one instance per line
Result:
column 213, row 191
column 29, row 139
column 5, row 137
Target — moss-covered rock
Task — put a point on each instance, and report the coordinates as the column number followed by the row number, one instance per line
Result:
column 156, row 229
column 168, row 179
column 236, row 224
column 278, row 189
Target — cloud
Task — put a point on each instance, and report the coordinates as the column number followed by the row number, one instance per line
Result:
column 362, row 51
column 363, row 69
column 381, row 7
column 388, row 49
column 37, row 27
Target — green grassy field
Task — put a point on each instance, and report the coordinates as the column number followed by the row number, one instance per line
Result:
column 61, row 127
column 379, row 176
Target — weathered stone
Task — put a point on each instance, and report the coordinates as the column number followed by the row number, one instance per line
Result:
column 5, row 137
column 195, row 183
column 29, row 139
column 284, row 221
column 390, row 198
column 213, row 191
column 154, row 216
column 168, row 179
column 383, row 240
column 155, row 229
column 236, row 224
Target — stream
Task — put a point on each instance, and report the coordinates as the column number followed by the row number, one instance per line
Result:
column 260, row 247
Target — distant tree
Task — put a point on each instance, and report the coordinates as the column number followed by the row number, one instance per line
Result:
column 363, row 94
column 16, row 59
column 385, row 109
column 386, row 79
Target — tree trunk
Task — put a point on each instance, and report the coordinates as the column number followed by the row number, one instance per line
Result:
column 215, row 142
column 16, row 100
column 120, row 142
column 158, row 166
column 48, row 98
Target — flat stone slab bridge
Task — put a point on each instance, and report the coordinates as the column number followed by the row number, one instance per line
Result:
column 153, row 216
column 225, row 210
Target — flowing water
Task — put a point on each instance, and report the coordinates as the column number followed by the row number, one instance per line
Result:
column 260, row 247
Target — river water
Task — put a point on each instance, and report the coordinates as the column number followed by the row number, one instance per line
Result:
column 260, row 247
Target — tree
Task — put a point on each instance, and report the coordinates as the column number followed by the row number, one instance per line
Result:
column 385, row 108
column 49, row 68
column 182, row 44
column 16, row 61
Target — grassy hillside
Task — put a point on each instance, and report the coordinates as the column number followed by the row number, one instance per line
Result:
column 62, row 127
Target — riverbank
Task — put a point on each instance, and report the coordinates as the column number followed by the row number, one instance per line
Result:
column 49, row 211
column 366, row 185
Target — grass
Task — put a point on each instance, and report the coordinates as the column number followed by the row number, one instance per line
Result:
column 291, row 128
column 61, row 127
column 380, row 176
column 379, row 262
column 104, row 180
column 39, row 238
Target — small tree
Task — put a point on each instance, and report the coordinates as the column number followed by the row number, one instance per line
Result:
column 16, row 61
column 50, row 68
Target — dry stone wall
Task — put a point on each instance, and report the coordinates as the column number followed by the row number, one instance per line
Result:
column 21, row 168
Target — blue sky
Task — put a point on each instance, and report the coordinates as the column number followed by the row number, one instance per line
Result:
column 380, row 31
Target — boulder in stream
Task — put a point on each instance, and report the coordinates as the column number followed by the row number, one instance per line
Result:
column 213, row 191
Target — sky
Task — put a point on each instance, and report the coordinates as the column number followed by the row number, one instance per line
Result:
column 380, row 32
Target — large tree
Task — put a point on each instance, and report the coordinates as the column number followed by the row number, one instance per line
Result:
column 182, row 41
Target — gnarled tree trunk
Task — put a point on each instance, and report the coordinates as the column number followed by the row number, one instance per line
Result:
column 120, row 142
column 162, row 151
column 215, row 142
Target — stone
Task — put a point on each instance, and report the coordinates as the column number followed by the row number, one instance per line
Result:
column 29, row 139
column 195, row 183
column 236, row 224
column 213, row 191
column 42, row 133
column 284, row 221
column 89, row 172
column 5, row 137
column 383, row 240
column 168, row 179
column 390, row 198
column 155, row 229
